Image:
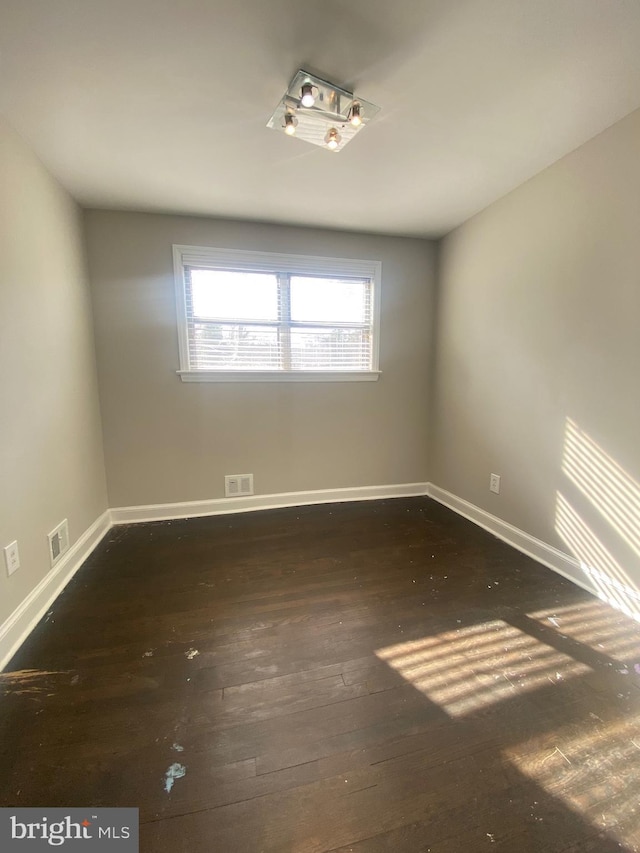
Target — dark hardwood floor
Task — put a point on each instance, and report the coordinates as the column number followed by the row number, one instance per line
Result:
column 378, row 676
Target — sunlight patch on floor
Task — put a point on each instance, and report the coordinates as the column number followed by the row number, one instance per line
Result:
column 596, row 775
column 597, row 625
column 470, row 668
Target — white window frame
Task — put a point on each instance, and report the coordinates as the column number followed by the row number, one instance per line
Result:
column 238, row 259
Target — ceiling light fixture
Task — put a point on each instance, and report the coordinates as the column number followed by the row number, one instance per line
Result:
column 307, row 98
column 354, row 116
column 319, row 112
column 290, row 124
column 333, row 139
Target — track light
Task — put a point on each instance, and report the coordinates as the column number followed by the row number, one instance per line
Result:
column 355, row 116
column 307, row 97
column 332, row 139
column 290, row 124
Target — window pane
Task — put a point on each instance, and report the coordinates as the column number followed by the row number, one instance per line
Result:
column 329, row 300
column 235, row 347
column 330, row 349
column 234, row 295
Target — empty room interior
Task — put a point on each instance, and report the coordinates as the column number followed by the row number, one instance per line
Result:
column 320, row 425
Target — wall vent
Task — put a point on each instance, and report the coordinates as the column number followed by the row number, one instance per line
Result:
column 238, row 485
column 58, row 541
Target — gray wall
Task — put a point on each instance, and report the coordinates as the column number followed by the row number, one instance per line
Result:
column 537, row 372
column 168, row 441
column 51, row 462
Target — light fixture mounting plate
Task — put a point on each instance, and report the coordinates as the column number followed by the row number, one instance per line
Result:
column 331, row 109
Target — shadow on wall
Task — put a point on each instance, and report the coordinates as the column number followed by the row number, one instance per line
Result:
column 605, row 488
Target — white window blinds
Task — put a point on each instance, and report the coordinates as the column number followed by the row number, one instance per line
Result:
column 277, row 313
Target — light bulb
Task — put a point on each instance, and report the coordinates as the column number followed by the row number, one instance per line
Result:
column 290, row 124
column 307, row 99
column 356, row 116
column 332, row 139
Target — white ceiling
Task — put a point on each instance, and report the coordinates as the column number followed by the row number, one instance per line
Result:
column 162, row 104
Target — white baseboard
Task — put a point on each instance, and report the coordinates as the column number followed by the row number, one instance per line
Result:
column 15, row 630
column 564, row 564
column 222, row 506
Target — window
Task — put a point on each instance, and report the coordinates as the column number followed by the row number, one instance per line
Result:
column 247, row 316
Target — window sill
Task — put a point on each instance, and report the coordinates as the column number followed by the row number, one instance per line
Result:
column 278, row 376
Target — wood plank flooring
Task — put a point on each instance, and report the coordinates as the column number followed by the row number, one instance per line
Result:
column 364, row 677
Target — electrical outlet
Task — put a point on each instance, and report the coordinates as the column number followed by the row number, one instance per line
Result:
column 12, row 558
column 238, row 485
column 494, row 483
column 58, row 541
